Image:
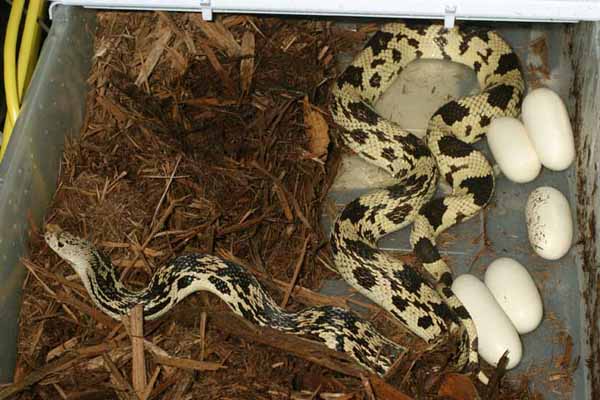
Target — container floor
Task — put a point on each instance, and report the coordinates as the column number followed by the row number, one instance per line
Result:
column 550, row 352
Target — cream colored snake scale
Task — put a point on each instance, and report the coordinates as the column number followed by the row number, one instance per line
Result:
column 425, row 305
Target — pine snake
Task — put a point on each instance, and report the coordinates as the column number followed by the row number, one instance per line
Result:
column 427, row 309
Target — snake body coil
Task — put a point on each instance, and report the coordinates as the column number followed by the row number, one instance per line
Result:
column 429, row 310
column 426, row 310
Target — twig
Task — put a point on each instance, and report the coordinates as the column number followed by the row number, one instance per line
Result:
column 214, row 62
column 277, row 182
column 96, row 314
column 61, row 363
column 36, row 338
column 303, row 348
column 244, row 225
column 368, row 388
column 180, row 388
column 51, row 292
column 30, row 265
column 164, row 194
column 186, row 363
column 202, row 335
column 285, row 206
column 155, row 227
column 62, row 348
column 494, row 383
column 138, row 371
column 290, row 288
column 116, row 375
column 155, row 349
column 306, row 349
column 165, row 384
column 148, row 389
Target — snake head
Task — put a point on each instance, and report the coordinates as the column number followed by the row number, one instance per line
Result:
column 74, row 250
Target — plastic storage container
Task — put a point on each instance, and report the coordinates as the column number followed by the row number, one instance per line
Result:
column 54, row 109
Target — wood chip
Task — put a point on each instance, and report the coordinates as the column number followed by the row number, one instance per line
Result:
column 247, row 63
column 113, row 109
column 153, row 56
column 138, row 372
column 59, row 350
column 209, row 101
column 221, row 72
column 186, row 363
column 184, row 35
column 219, row 36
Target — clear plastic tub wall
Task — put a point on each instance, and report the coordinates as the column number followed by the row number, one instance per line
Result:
column 54, row 109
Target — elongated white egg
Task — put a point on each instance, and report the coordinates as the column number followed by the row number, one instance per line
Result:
column 512, row 149
column 545, row 116
column 549, row 222
column 496, row 333
column 514, row 289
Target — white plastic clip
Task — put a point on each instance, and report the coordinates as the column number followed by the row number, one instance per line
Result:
column 53, row 4
column 449, row 17
column 206, row 10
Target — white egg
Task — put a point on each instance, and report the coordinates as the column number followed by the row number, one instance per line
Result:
column 513, row 288
column 496, row 333
column 549, row 223
column 513, row 150
column 547, row 121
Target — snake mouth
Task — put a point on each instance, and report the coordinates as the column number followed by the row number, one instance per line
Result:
column 54, row 237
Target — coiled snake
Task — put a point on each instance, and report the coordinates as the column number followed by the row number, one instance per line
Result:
column 425, row 306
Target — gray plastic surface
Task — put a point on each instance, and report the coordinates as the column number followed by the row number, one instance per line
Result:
column 53, row 108
column 585, row 107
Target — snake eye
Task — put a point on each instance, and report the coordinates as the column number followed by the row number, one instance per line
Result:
column 61, row 244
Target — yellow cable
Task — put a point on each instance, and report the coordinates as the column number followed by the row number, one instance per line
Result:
column 10, row 70
column 30, row 44
column 8, row 125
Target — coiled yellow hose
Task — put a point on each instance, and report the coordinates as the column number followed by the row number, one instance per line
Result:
column 16, row 78
column 30, row 45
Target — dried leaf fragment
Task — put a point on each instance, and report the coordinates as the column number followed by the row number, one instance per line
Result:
column 458, row 387
column 317, row 131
